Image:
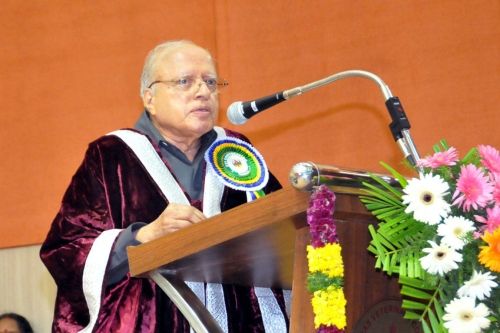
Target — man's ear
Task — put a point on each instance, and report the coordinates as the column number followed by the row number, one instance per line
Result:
column 147, row 100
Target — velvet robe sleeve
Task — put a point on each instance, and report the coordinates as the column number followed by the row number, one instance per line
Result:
column 110, row 190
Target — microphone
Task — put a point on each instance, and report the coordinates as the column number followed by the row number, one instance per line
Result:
column 239, row 112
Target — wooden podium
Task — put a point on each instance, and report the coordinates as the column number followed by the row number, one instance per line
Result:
column 263, row 243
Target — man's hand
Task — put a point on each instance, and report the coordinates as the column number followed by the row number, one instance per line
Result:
column 173, row 218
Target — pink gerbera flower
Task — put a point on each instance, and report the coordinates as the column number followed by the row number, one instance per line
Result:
column 492, row 219
column 473, row 188
column 490, row 157
column 495, row 178
column 442, row 158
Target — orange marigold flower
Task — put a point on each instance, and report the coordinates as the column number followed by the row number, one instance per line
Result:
column 490, row 254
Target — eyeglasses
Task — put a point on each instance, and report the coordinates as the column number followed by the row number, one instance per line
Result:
column 186, row 83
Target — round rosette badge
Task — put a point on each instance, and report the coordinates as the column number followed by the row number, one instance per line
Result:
column 237, row 164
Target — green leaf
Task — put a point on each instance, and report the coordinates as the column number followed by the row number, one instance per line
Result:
column 395, row 191
column 381, row 194
column 386, row 212
column 417, row 283
column 393, row 266
column 425, row 326
column 386, row 264
column 372, row 249
column 415, row 228
column 417, row 267
column 386, row 243
column 401, row 227
column 441, row 294
column 372, row 202
column 470, row 157
column 402, row 266
column 410, row 266
column 375, row 241
column 416, row 293
column 441, row 146
column 399, row 219
column 411, row 315
column 434, row 321
column 439, row 310
column 399, row 177
column 407, row 304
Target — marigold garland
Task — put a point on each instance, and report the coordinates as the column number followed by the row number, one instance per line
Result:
column 326, row 259
column 326, row 269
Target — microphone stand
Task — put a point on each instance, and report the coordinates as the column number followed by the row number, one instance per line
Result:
column 400, row 126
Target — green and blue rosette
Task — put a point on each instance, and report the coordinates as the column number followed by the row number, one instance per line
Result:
column 238, row 165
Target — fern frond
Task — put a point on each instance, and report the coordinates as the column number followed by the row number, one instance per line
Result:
column 421, row 302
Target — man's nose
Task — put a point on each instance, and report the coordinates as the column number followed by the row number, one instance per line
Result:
column 201, row 87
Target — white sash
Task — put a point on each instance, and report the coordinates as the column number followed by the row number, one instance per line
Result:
column 93, row 273
column 212, row 196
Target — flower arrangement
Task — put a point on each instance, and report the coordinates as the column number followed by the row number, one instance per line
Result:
column 326, row 268
column 441, row 233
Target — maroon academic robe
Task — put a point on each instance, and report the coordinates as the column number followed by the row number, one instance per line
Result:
column 111, row 190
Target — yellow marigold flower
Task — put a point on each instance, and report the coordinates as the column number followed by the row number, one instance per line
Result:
column 329, row 307
column 490, row 254
column 326, row 259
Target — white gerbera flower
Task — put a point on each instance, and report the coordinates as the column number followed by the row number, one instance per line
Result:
column 454, row 229
column 463, row 316
column 441, row 259
column 425, row 198
column 479, row 286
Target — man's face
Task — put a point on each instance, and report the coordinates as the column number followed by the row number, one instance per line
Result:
column 181, row 114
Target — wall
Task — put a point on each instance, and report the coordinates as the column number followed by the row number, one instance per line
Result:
column 26, row 286
column 70, row 73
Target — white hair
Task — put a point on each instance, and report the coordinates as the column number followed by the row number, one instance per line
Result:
column 157, row 54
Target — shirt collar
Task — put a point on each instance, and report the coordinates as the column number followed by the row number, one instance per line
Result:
column 145, row 125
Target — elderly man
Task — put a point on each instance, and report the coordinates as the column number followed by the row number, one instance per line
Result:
column 119, row 198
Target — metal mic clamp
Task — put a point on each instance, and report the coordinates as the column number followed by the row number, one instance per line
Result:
column 305, row 176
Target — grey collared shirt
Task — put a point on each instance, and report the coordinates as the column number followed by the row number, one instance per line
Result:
column 188, row 174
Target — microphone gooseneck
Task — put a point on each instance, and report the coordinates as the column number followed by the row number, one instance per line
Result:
column 239, row 112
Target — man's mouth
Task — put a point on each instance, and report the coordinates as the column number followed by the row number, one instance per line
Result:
column 201, row 110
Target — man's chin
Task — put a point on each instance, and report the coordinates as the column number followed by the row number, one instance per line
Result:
column 203, row 128
column 200, row 119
